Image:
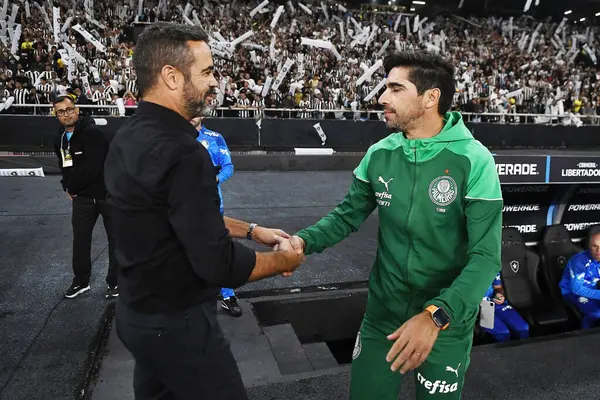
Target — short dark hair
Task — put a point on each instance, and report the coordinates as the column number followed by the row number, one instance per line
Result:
column 60, row 99
column 162, row 43
column 427, row 71
column 593, row 230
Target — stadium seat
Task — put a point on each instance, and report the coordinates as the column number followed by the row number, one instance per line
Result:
column 555, row 249
column 520, row 277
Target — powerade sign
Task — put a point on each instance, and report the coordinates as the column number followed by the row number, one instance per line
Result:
column 575, row 169
column 521, row 169
column 526, row 208
column 582, row 211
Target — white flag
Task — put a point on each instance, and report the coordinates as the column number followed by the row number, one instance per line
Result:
column 15, row 41
column 382, row 50
column 266, row 86
column 88, row 36
column 86, row 86
column 281, row 75
column 121, row 107
column 4, row 10
column 55, row 26
column 258, row 8
column 276, row 16
column 306, row 9
column 375, row 90
column 370, row 72
column 66, row 24
column 321, row 133
column 242, row 38
column 13, row 15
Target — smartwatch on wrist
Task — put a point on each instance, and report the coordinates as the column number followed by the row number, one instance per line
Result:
column 250, row 231
column 440, row 316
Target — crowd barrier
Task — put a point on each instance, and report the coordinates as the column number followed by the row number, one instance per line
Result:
column 27, row 132
column 228, row 112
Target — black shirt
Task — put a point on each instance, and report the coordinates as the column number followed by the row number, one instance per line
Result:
column 88, row 147
column 171, row 243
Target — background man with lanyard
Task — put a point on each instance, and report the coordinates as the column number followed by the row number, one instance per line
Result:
column 221, row 158
column 81, row 148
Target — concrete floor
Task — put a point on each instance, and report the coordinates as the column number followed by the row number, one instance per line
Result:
column 45, row 340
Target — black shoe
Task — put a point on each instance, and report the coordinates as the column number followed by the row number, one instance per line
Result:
column 75, row 290
column 231, row 305
column 112, row 292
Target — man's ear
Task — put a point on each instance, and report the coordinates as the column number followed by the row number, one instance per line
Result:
column 171, row 77
column 431, row 98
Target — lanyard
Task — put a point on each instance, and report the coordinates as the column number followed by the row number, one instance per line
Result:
column 62, row 139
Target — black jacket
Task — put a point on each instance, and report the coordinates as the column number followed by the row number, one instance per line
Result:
column 88, row 147
column 171, row 243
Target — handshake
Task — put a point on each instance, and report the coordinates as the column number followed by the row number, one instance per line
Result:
column 286, row 257
column 293, row 245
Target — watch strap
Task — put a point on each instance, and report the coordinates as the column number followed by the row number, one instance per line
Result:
column 431, row 309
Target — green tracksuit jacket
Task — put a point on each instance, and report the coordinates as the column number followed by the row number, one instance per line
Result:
column 440, row 224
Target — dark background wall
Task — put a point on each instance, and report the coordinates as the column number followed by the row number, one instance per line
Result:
column 26, row 133
column 530, row 202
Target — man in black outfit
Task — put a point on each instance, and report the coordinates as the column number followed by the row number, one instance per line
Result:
column 174, row 248
column 81, row 149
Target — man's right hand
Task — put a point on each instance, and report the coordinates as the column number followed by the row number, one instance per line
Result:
column 284, row 261
column 298, row 244
column 285, row 245
column 69, row 196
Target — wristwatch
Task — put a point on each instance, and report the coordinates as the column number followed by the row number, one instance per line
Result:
column 440, row 316
column 250, row 231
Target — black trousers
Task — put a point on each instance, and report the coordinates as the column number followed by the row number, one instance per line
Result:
column 180, row 356
column 85, row 215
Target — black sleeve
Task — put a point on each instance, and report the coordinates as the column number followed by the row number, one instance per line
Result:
column 57, row 146
column 89, row 169
column 196, row 220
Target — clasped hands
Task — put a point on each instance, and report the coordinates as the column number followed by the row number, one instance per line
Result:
column 293, row 243
column 281, row 241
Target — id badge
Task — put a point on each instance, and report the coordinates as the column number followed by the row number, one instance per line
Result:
column 487, row 312
column 67, row 160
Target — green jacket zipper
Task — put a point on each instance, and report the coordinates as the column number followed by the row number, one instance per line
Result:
column 412, row 199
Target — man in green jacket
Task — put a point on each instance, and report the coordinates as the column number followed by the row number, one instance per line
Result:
column 439, row 203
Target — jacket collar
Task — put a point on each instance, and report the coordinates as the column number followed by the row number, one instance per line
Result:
column 166, row 116
column 83, row 122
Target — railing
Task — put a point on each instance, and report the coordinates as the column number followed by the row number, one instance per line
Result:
column 227, row 112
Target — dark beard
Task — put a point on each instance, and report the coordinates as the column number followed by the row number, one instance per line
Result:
column 396, row 125
column 407, row 122
column 193, row 106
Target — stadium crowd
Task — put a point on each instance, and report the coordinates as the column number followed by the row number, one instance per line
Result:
column 516, row 65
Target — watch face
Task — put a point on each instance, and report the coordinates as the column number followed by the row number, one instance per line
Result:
column 441, row 318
